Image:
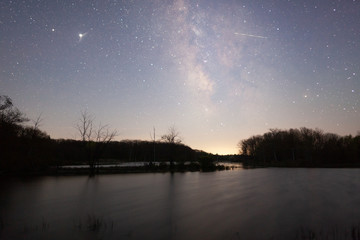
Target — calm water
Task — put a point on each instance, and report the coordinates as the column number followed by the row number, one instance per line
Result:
column 241, row 204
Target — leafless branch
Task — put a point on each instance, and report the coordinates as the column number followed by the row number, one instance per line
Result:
column 152, row 135
column 88, row 132
column 85, row 126
column 173, row 136
column 37, row 122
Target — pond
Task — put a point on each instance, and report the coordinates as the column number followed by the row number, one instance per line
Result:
column 269, row 203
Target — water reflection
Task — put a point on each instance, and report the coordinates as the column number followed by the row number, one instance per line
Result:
column 247, row 204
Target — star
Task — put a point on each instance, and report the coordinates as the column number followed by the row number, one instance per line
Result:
column 81, row 36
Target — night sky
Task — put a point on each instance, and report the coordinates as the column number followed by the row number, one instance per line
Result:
column 220, row 71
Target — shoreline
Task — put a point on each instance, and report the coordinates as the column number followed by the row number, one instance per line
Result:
column 76, row 171
column 299, row 165
column 59, row 171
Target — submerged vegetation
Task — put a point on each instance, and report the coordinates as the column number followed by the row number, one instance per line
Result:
column 95, row 224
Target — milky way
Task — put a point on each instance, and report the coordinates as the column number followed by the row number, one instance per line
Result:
column 220, row 71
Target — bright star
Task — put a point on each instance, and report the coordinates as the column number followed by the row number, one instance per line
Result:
column 81, row 36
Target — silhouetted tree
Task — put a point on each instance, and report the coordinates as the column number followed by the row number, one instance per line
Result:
column 10, row 129
column 23, row 148
column 10, row 114
column 153, row 138
column 95, row 139
column 172, row 138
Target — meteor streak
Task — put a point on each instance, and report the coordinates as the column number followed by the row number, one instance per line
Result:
column 250, row 35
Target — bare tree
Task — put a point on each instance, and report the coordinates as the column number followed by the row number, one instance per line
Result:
column 37, row 122
column 152, row 135
column 104, row 135
column 85, row 126
column 173, row 136
column 95, row 139
column 10, row 114
column 153, row 138
column 34, row 130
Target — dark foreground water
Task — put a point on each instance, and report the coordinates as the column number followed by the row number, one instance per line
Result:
column 242, row 204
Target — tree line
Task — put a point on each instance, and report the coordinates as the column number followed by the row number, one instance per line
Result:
column 301, row 147
column 22, row 146
column 26, row 148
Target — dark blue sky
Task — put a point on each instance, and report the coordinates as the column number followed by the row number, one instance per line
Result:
column 220, row 71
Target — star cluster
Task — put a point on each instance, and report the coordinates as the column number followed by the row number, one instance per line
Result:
column 220, row 71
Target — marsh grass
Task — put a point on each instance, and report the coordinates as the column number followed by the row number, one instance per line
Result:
column 334, row 233
column 355, row 232
column 1, row 224
column 94, row 223
column 352, row 233
column 97, row 224
column 45, row 225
